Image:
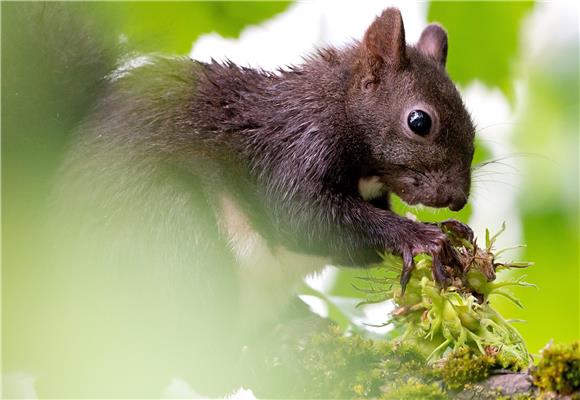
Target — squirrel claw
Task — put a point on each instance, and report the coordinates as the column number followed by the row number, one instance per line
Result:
column 408, row 266
column 439, row 273
column 459, row 229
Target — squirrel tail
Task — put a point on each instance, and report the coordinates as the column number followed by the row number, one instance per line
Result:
column 56, row 57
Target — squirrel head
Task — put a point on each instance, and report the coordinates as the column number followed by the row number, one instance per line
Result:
column 411, row 114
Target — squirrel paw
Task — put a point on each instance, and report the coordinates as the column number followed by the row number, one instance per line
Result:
column 430, row 239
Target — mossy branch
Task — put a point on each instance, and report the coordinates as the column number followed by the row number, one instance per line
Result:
column 333, row 365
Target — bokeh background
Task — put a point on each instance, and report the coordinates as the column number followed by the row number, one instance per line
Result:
column 516, row 63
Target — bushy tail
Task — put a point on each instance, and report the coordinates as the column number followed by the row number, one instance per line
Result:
column 55, row 57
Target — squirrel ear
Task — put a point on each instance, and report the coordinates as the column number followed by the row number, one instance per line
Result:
column 433, row 43
column 384, row 40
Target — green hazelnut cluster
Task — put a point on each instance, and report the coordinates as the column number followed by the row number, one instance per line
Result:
column 442, row 320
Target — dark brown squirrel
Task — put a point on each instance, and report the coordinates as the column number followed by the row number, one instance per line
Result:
column 310, row 139
column 204, row 175
column 298, row 150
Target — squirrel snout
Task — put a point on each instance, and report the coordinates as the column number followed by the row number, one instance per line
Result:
column 457, row 202
column 455, row 199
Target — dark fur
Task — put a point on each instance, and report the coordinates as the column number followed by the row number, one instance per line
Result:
column 300, row 139
column 143, row 181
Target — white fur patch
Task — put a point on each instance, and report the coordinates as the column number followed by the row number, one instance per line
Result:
column 370, row 188
column 268, row 276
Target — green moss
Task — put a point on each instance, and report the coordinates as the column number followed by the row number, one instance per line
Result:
column 463, row 366
column 414, row 390
column 559, row 369
column 339, row 366
column 466, row 366
column 333, row 365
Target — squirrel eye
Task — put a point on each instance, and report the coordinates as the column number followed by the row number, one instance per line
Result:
column 419, row 122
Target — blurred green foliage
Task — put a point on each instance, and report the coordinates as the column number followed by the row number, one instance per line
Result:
column 547, row 133
column 171, row 27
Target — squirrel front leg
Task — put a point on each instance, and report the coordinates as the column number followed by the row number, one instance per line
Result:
column 354, row 232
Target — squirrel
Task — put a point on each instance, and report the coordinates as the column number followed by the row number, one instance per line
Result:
column 324, row 144
column 217, row 188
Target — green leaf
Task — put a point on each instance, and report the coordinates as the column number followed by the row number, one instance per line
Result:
column 487, row 240
column 494, row 237
column 173, row 26
column 483, row 39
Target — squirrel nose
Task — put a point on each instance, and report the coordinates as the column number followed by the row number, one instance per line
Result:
column 457, row 202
